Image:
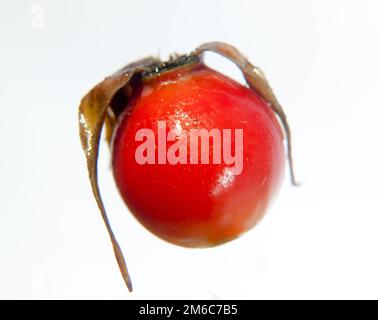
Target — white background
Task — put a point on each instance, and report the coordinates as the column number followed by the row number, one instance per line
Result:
column 317, row 241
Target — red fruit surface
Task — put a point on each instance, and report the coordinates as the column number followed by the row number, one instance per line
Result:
column 198, row 205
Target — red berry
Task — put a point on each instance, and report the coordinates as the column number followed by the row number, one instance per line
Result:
column 177, row 194
column 198, row 205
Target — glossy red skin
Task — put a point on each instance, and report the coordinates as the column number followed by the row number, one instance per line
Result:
column 187, row 204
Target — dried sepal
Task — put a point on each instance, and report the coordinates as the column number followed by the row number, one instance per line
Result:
column 93, row 111
column 257, row 81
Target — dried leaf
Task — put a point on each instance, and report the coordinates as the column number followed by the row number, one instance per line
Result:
column 92, row 115
column 257, row 81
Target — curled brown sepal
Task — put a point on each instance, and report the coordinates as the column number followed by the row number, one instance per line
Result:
column 93, row 111
column 257, row 81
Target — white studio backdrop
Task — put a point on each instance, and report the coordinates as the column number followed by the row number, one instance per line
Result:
column 317, row 241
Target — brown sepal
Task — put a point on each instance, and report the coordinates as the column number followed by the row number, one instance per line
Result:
column 257, row 81
column 93, row 110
